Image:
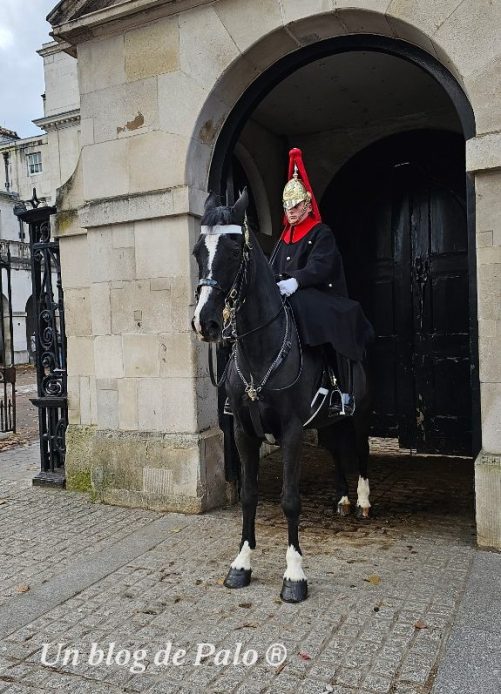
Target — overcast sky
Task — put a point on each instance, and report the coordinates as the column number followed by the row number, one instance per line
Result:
column 23, row 29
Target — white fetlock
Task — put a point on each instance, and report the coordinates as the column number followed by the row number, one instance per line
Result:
column 363, row 491
column 243, row 558
column 294, row 570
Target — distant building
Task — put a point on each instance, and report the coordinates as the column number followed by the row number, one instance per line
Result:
column 43, row 162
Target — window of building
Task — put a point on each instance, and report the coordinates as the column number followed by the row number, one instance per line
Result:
column 34, row 162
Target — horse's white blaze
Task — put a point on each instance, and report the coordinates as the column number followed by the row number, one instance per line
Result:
column 344, row 500
column 243, row 558
column 294, row 570
column 363, row 492
column 211, row 242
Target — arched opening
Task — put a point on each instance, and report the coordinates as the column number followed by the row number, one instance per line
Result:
column 346, row 102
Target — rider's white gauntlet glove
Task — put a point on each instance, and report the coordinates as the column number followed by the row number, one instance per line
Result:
column 288, row 287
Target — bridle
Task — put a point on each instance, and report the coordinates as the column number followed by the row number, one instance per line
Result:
column 214, row 284
column 233, row 301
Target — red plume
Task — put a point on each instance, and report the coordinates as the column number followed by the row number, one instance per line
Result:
column 294, row 234
column 296, row 157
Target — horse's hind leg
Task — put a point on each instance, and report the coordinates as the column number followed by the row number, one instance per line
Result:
column 239, row 574
column 295, row 585
column 327, row 439
column 363, row 489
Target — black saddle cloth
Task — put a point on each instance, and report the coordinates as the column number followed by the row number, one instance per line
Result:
column 325, row 318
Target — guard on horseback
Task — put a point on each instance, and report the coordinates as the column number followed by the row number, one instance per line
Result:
column 309, row 270
column 270, row 379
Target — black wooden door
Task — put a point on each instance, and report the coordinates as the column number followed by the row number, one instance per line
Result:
column 399, row 214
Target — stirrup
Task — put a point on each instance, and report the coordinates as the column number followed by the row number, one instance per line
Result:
column 335, row 402
column 227, row 408
column 345, row 405
column 341, row 403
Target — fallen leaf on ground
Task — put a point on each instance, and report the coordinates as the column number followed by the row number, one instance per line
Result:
column 220, row 581
column 304, row 656
column 23, row 588
column 279, row 669
column 248, row 625
column 3, row 501
column 176, row 530
column 373, row 580
column 420, row 624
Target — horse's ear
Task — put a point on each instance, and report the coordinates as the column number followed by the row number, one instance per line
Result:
column 211, row 201
column 238, row 209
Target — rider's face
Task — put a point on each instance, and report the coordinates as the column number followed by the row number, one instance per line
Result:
column 295, row 215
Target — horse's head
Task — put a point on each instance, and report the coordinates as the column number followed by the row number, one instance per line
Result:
column 219, row 254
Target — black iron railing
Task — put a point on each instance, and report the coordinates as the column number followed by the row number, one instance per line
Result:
column 50, row 340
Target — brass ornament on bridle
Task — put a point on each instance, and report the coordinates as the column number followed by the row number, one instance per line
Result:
column 229, row 309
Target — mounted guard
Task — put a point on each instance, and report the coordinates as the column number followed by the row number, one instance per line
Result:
column 309, row 270
column 271, row 378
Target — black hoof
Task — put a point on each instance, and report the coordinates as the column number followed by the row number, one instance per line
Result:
column 363, row 513
column 237, row 578
column 294, row 591
column 343, row 510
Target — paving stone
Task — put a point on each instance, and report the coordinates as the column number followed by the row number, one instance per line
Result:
column 357, row 636
column 377, row 683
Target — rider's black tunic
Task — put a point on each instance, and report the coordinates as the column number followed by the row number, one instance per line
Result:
column 323, row 311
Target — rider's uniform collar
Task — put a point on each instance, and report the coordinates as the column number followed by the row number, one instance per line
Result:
column 293, row 234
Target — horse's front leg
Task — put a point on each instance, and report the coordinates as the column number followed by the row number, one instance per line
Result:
column 239, row 575
column 295, row 585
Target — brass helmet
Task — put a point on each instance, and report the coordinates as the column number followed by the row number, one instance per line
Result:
column 294, row 191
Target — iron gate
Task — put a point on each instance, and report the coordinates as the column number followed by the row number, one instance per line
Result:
column 50, row 341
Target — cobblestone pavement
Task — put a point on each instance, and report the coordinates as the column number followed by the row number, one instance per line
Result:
column 383, row 593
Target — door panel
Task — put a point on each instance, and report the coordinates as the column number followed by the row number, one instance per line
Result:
column 398, row 212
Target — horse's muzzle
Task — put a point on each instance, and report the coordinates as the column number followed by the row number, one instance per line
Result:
column 207, row 330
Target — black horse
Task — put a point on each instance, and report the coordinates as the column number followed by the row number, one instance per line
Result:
column 270, row 381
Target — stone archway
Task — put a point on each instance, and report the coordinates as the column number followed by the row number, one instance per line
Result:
column 237, row 119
